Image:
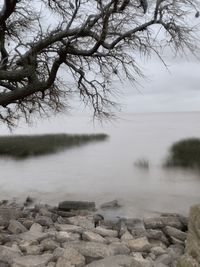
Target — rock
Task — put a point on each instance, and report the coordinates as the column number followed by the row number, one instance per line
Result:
column 32, row 261
column 36, row 228
column 157, row 251
column 82, row 221
column 175, row 251
column 67, row 236
column 153, row 234
column 16, row 227
column 175, row 233
column 68, row 228
column 105, row 232
column 27, row 223
column 24, row 244
column 33, row 250
column 91, row 236
column 44, row 221
column 111, row 205
column 139, row 244
column 136, row 227
column 76, row 205
column 7, row 254
column 162, row 222
column 73, row 256
column 119, row 248
column 51, row 264
column 3, row 264
column 10, row 213
column 192, row 256
column 62, row 262
column 66, row 214
column 113, row 261
column 91, row 250
column 164, row 258
column 118, row 261
column 49, row 244
column 126, row 236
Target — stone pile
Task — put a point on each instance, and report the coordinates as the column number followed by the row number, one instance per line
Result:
column 58, row 237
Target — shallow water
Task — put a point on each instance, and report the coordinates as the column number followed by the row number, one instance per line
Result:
column 105, row 171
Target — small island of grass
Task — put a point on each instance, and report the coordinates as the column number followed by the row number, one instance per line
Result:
column 184, row 153
column 23, row 146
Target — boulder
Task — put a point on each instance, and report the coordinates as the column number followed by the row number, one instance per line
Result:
column 105, row 232
column 139, row 244
column 126, row 236
column 91, row 250
column 93, row 237
column 32, row 260
column 63, row 236
column 175, row 233
column 120, row 260
column 162, row 222
column 8, row 254
column 192, row 256
column 44, row 221
column 62, row 262
column 73, row 256
column 82, row 221
column 153, row 235
column 76, row 205
column 68, row 228
column 111, row 205
column 16, row 227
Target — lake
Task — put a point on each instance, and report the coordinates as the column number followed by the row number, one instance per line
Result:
column 105, row 171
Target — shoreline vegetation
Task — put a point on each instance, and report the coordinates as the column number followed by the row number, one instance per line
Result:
column 23, row 146
column 184, row 153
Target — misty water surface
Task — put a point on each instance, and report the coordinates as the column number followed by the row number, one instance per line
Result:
column 105, row 171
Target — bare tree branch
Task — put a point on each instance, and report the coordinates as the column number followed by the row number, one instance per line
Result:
column 61, row 48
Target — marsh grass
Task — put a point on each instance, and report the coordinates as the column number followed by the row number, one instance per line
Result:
column 142, row 163
column 23, row 146
column 184, row 153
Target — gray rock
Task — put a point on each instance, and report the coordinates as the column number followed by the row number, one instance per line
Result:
column 126, row 236
column 62, row 262
column 67, row 236
column 164, row 258
column 162, row 222
column 73, row 256
column 68, row 228
column 121, row 260
column 49, row 244
column 92, row 250
column 10, row 213
column 153, row 234
column 93, row 237
column 3, row 264
column 140, row 244
column 76, row 205
column 111, row 205
column 157, row 251
column 44, row 221
column 16, row 227
column 32, row 260
column 119, row 248
column 105, row 232
column 7, row 254
column 175, row 233
column 82, row 221
column 136, row 227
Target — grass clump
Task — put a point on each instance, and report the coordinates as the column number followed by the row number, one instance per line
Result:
column 142, row 163
column 23, row 146
column 184, row 153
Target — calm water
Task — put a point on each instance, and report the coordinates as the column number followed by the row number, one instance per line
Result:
column 105, row 171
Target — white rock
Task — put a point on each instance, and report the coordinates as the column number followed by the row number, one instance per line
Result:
column 68, row 228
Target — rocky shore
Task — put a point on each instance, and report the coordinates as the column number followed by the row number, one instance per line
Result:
column 74, row 235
